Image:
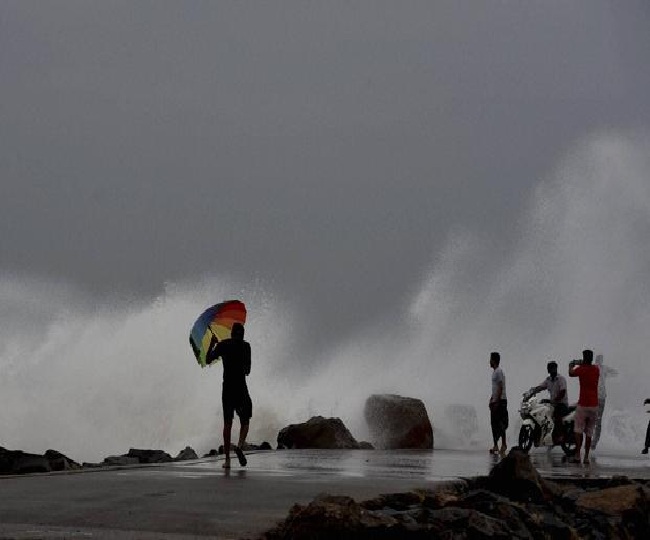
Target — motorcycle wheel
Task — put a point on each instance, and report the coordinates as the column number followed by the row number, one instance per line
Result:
column 569, row 443
column 526, row 438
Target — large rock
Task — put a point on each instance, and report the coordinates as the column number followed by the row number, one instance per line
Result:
column 616, row 500
column 400, row 516
column 317, row 432
column 398, row 422
column 149, row 456
column 330, row 516
column 252, row 447
column 629, row 503
column 186, row 454
column 19, row 462
column 60, row 462
column 119, row 461
column 516, row 478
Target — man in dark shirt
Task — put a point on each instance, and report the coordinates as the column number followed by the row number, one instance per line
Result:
column 236, row 356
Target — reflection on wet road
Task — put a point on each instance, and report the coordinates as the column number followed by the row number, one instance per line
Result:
column 414, row 465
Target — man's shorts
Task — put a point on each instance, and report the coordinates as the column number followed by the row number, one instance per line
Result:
column 586, row 418
column 236, row 401
column 499, row 418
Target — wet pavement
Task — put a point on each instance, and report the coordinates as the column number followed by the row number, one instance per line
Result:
column 199, row 500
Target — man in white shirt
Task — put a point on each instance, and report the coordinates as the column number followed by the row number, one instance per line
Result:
column 498, row 405
column 557, row 388
column 605, row 371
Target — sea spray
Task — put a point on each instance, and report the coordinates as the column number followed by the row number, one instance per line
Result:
column 95, row 379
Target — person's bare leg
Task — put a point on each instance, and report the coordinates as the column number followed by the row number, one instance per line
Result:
column 587, row 448
column 495, row 446
column 243, row 432
column 227, row 429
column 495, row 433
column 576, row 456
column 239, row 449
column 504, row 446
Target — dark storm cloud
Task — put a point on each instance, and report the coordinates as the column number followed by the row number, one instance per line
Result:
column 327, row 148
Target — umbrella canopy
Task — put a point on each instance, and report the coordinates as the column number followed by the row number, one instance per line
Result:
column 215, row 323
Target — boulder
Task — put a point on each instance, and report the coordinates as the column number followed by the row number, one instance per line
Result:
column 149, row 456
column 317, row 432
column 185, row 454
column 330, row 516
column 365, row 445
column 454, row 522
column 120, row 461
column 616, row 500
column 213, row 452
column 393, row 516
column 250, row 447
column 516, row 478
column 398, row 422
column 19, row 462
column 60, row 462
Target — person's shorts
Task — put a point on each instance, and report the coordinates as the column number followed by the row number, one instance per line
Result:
column 236, row 401
column 560, row 410
column 586, row 418
column 499, row 418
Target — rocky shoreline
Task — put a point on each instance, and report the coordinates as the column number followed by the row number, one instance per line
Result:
column 397, row 422
column 17, row 462
column 514, row 501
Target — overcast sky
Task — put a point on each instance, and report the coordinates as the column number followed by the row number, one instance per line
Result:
column 326, row 148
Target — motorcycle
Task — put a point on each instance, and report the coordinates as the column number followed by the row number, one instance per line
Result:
column 537, row 425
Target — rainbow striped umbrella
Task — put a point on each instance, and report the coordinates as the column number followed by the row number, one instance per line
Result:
column 215, row 323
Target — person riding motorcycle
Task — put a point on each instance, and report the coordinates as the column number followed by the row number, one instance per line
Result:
column 557, row 388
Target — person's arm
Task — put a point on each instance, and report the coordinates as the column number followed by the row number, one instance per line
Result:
column 573, row 369
column 247, row 359
column 212, row 354
column 561, row 395
column 537, row 389
column 496, row 396
column 499, row 392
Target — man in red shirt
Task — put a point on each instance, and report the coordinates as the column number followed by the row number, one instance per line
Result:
column 587, row 410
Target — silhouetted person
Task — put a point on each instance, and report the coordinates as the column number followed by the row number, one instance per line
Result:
column 647, row 433
column 587, row 410
column 236, row 356
column 557, row 388
column 498, row 405
column 605, row 372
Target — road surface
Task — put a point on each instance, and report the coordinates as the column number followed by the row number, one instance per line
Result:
column 198, row 500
